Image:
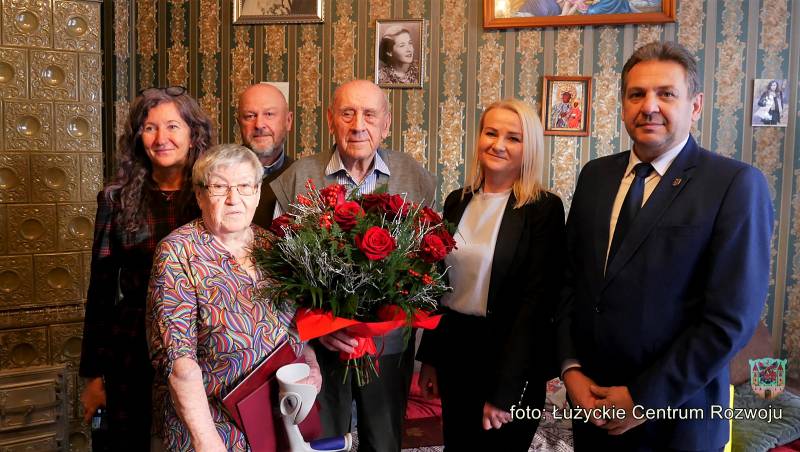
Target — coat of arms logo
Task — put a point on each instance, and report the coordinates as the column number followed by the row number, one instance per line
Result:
column 768, row 376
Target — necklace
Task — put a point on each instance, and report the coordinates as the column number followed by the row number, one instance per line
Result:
column 168, row 195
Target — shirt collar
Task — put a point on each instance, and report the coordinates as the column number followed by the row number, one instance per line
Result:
column 276, row 165
column 661, row 163
column 336, row 165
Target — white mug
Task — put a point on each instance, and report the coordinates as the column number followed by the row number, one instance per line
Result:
column 296, row 399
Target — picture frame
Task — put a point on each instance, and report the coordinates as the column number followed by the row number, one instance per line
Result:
column 399, row 53
column 770, row 102
column 246, row 12
column 563, row 13
column 567, row 106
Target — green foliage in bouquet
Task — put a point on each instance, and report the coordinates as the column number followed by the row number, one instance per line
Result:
column 350, row 256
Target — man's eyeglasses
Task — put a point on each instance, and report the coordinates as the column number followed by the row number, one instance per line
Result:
column 223, row 190
column 170, row 90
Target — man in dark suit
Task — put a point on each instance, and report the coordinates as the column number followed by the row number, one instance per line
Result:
column 668, row 268
column 264, row 121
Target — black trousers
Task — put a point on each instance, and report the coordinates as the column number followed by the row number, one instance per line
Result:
column 129, row 398
column 463, row 381
column 380, row 405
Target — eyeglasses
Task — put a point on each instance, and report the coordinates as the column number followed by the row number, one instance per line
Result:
column 170, row 90
column 223, row 190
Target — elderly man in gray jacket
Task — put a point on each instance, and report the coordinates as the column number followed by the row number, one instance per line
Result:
column 359, row 120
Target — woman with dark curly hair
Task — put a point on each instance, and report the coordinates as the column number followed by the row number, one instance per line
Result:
column 150, row 196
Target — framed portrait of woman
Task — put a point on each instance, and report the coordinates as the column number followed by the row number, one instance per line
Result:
column 399, row 54
column 567, row 105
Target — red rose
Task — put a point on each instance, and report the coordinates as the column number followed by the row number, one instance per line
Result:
column 376, row 243
column 375, row 203
column 432, row 248
column 347, row 214
column 278, row 223
column 333, row 195
column 429, row 216
column 396, row 205
column 446, row 237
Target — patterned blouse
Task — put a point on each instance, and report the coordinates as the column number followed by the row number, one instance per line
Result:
column 203, row 305
column 387, row 75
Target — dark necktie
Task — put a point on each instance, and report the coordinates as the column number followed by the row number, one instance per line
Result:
column 630, row 207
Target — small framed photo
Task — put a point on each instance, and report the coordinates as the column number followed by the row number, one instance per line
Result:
column 277, row 11
column 567, row 105
column 399, row 53
column 770, row 98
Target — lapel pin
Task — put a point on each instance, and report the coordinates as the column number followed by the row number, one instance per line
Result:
column 676, row 181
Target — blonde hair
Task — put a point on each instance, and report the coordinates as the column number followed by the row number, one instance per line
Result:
column 529, row 186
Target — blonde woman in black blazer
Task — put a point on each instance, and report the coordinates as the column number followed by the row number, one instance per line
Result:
column 492, row 353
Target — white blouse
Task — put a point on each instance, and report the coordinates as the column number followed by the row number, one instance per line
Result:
column 471, row 262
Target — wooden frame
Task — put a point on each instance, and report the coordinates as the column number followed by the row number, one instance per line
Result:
column 521, row 13
column 560, row 114
column 385, row 77
column 278, row 11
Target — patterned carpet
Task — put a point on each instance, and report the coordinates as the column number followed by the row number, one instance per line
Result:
column 552, row 435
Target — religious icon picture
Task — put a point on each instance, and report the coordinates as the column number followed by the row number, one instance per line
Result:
column 399, row 53
column 560, row 13
column 770, row 98
column 567, row 105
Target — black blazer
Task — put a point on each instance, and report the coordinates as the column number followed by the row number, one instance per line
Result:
column 523, row 292
column 266, row 205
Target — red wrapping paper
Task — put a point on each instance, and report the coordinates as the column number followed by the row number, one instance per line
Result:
column 313, row 323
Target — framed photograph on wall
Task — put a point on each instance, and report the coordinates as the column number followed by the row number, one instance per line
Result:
column 770, row 98
column 277, row 11
column 561, row 13
column 399, row 55
column 567, row 106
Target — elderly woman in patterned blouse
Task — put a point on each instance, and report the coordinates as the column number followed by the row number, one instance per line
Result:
column 207, row 326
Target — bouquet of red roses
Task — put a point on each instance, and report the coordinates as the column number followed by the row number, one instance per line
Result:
column 368, row 264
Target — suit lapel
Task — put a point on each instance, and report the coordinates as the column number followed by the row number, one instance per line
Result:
column 605, row 194
column 508, row 238
column 383, row 180
column 454, row 214
column 677, row 177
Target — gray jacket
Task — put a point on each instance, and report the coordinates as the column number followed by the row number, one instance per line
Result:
column 408, row 177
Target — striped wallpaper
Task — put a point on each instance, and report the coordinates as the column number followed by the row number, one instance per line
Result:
column 193, row 43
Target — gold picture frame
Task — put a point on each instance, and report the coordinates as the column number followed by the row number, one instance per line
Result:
column 567, row 106
column 246, row 12
column 402, row 35
column 562, row 13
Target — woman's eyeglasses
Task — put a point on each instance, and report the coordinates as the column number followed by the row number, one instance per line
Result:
column 170, row 90
column 223, row 190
